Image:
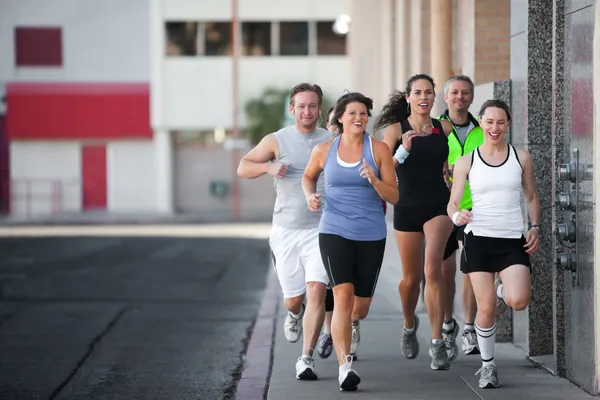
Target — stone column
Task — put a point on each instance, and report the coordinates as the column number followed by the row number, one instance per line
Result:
column 539, row 142
column 402, row 45
column 163, row 151
column 419, row 37
column 441, row 48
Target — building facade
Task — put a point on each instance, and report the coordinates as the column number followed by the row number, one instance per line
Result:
column 138, row 106
column 543, row 58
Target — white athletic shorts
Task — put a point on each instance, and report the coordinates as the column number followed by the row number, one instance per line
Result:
column 297, row 259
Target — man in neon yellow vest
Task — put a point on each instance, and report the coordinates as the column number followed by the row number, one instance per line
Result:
column 466, row 137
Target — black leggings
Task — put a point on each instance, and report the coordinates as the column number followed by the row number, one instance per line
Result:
column 352, row 261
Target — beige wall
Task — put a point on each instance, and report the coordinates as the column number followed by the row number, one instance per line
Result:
column 390, row 40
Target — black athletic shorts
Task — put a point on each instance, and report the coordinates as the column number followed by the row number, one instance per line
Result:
column 412, row 218
column 458, row 232
column 329, row 300
column 488, row 254
column 352, row 261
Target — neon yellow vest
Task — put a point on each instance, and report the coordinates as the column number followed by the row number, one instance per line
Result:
column 473, row 140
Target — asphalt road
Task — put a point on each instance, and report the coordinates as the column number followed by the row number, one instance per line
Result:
column 126, row 318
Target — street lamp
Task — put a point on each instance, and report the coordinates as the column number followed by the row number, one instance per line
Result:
column 341, row 26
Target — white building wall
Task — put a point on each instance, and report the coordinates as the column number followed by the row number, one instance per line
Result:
column 258, row 10
column 103, row 41
column 131, row 176
column 45, row 175
column 197, row 92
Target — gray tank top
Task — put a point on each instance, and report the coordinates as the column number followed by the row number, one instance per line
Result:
column 291, row 210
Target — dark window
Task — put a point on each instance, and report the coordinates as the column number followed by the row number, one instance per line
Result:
column 182, row 38
column 328, row 42
column 293, row 38
column 38, row 47
column 217, row 38
column 256, row 38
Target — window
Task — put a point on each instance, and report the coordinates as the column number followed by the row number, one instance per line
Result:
column 217, row 38
column 329, row 43
column 38, row 47
column 293, row 38
column 256, row 38
column 182, row 38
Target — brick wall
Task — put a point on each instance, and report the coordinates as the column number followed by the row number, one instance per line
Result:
column 492, row 40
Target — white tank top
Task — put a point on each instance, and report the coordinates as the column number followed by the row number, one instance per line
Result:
column 496, row 192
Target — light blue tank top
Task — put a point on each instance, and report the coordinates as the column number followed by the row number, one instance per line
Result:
column 353, row 209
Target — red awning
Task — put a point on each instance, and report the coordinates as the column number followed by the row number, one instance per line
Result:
column 45, row 111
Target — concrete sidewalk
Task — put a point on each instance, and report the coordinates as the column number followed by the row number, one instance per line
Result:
column 386, row 374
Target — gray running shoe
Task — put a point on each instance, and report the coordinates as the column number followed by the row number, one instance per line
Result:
column 488, row 377
column 450, row 341
column 439, row 357
column 469, row 342
column 410, row 343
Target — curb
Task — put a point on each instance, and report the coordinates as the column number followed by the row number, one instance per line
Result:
column 254, row 383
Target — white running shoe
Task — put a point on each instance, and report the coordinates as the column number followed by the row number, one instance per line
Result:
column 292, row 327
column 348, row 377
column 305, row 368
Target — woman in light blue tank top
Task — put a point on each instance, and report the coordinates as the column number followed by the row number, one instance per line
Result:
column 359, row 174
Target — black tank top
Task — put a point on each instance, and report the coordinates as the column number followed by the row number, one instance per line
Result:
column 420, row 177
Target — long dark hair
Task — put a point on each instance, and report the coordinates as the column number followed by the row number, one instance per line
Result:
column 342, row 103
column 397, row 108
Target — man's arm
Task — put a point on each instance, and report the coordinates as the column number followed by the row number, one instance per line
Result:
column 258, row 160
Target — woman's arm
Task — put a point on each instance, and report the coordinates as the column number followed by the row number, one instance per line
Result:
column 533, row 201
column 387, row 185
column 311, row 175
column 461, row 171
column 390, row 137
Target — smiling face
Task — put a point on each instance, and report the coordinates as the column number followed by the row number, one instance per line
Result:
column 305, row 109
column 355, row 118
column 421, row 97
column 494, row 123
column 459, row 97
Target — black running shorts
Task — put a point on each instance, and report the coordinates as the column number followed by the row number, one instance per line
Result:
column 488, row 254
column 412, row 218
column 352, row 261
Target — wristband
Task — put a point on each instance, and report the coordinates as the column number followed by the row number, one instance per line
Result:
column 401, row 154
column 455, row 217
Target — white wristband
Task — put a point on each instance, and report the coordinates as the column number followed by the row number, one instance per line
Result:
column 455, row 217
column 401, row 154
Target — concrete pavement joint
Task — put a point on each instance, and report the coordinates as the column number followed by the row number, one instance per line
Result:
column 258, row 366
column 470, row 387
column 89, row 352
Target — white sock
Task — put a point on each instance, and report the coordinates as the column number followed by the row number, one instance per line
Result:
column 500, row 291
column 325, row 330
column 409, row 331
column 437, row 341
column 297, row 316
column 469, row 327
column 486, row 338
column 448, row 327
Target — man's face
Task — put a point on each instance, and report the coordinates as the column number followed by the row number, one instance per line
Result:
column 459, row 97
column 305, row 109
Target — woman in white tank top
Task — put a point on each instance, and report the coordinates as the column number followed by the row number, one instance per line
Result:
column 494, row 242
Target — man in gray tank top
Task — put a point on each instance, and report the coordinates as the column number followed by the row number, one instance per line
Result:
column 294, row 238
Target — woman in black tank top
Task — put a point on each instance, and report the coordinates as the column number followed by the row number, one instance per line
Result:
column 420, row 147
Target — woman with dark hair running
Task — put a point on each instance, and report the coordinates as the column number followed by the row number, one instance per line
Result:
column 494, row 241
column 325, row 342
column 420, row 147
column 359, row 173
